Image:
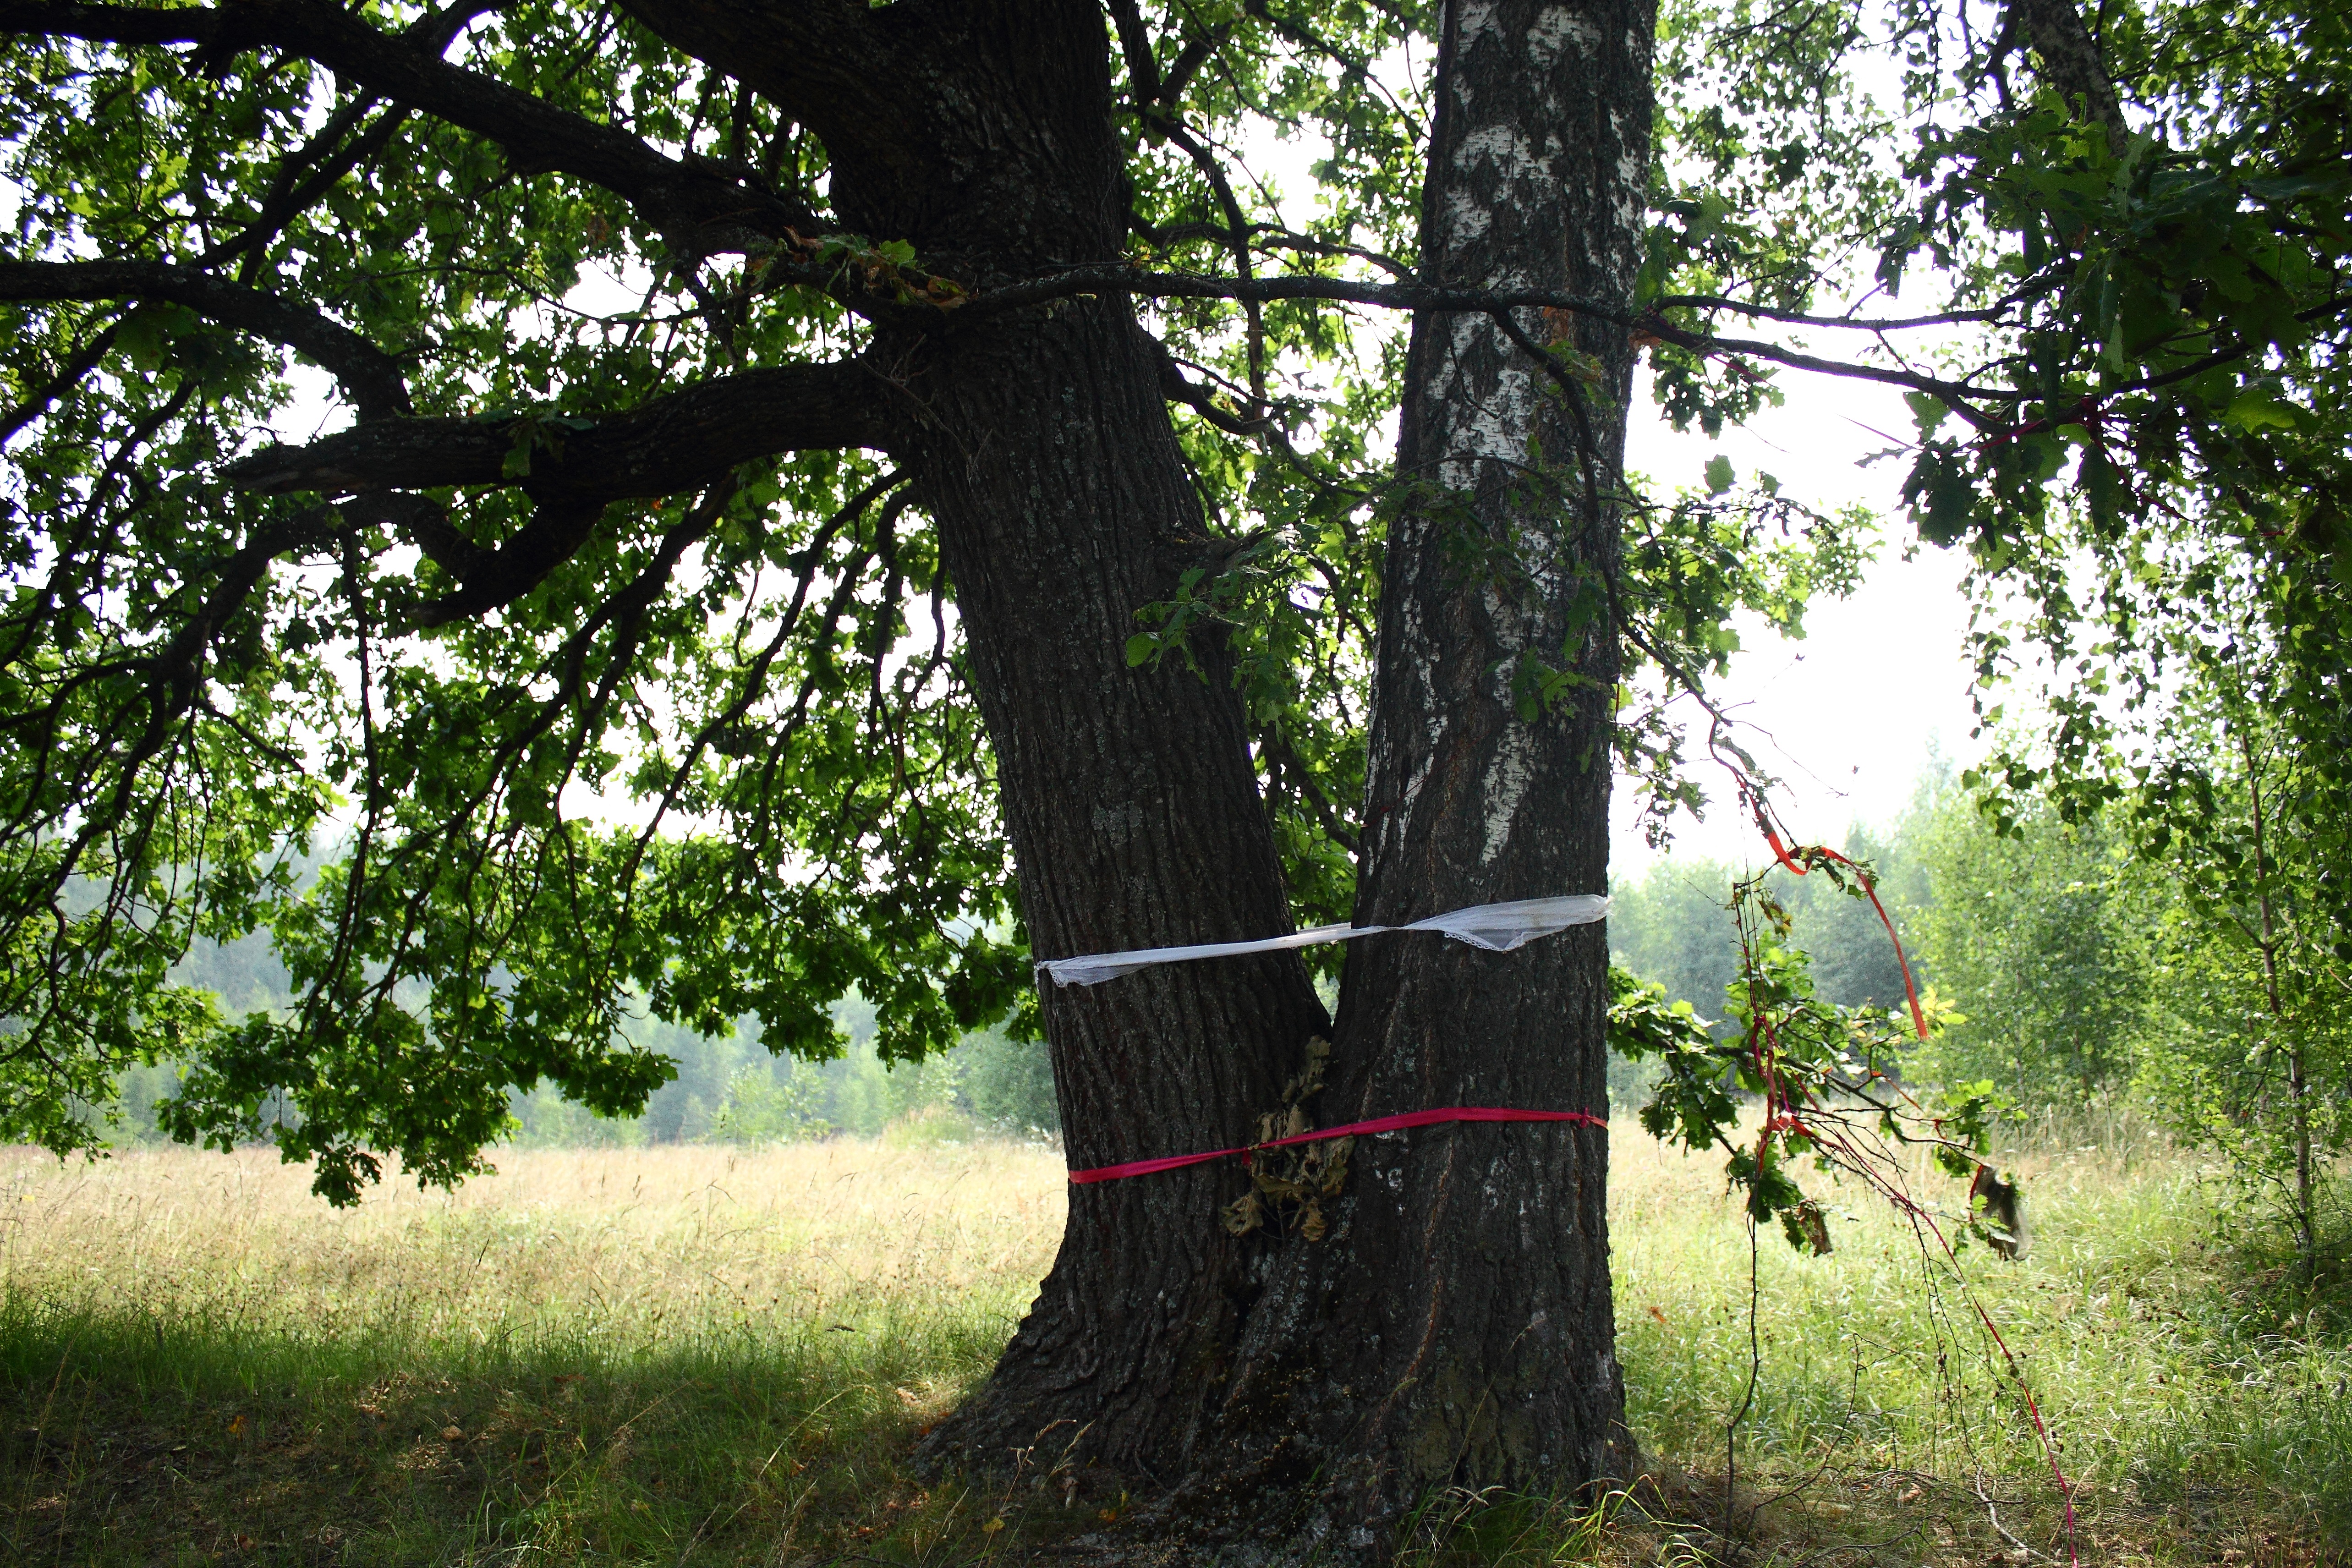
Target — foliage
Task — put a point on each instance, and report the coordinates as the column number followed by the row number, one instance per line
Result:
column 1008, row 1086
column 2044, row 935
column 720, row 755
column 2201, row 704
column 2148, row 243
column 1674, row 928
column 722, row 1088
column 1824, row 1074
column 2258, row 955
column 2224, row 1078
column 1674, row 925
column 728, row 659
column 769, row 1104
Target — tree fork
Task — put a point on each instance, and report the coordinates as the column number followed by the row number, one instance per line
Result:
column 1456, row 1323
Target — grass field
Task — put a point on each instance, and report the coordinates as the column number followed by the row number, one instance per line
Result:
column 693, row 1354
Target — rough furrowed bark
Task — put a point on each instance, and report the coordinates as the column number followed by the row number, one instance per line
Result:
column 1042, row 445
column 1456, row 1323
column 1132, row 809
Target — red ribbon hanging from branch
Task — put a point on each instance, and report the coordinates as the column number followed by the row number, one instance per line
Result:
column 1771, row 836
column 1377, row 1125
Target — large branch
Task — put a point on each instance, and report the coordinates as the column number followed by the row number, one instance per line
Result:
column 575, row 467
column 370, row 377
column 1961, row 396
column 689, row 199
column 839, row 66
column 670, row 444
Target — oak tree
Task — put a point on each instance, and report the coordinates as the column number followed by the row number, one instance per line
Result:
column 823, row 495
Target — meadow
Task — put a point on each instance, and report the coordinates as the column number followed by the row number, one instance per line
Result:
column 700, row 1355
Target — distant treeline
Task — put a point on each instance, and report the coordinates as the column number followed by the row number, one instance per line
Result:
column 2041, row 939
column 2049, row 941
column 1672, row 925
column 730, row 1089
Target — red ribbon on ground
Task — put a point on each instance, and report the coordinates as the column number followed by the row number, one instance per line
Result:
column 1377, row 1125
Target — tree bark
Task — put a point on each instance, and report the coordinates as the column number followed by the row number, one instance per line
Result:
column 2070, row 62
column 1455, row 1325
column 1042, row 446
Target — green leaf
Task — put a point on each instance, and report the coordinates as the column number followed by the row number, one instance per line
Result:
column 1927, row 411
column 2255, row 410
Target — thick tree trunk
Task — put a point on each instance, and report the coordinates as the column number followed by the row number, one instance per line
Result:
column 1044, row 451
column 1457, row 1326
column 1134, row 817
column 1457, row 1321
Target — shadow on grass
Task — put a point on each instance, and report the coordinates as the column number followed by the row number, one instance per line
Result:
column 2276, row 1353
column 145, row 1440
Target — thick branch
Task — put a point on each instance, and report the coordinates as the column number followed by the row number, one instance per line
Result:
column 1176, row 387
column 679, row 442
column 80, row 363
column 838, row 67
column 425, row 523
column 1135, row 43
column 371, row 378
column 331, row 151
column 557, row 530
column 1849, row 323
column 1080, row 281
column 2070, row 63
column 698, row 206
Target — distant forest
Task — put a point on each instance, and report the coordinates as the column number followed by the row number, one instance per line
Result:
column 730, row 1089
column 2032, row 935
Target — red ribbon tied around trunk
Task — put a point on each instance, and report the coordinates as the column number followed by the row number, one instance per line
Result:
column 1377, row 1125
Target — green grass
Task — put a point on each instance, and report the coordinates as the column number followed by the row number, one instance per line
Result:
column 685, row 1355
column 597, row 1357
column 139, row 1446
column 2196, row 1402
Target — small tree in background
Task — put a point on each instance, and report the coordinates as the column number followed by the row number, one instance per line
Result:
column 1673, row 926
column 2041, row 936
column 770, row 1102
column 2255, row 973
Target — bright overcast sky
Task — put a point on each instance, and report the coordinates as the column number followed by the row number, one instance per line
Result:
column 1849, row 717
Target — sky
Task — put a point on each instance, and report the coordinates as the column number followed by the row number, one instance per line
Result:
column 1850, row 717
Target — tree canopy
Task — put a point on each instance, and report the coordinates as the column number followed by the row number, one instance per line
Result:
column 602, row 651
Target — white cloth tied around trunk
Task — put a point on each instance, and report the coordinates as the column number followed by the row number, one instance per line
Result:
column 1497, row 928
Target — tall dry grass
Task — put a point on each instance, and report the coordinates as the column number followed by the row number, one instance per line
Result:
column 620, row 1356
column 632, row 1251
column 696, row 1354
